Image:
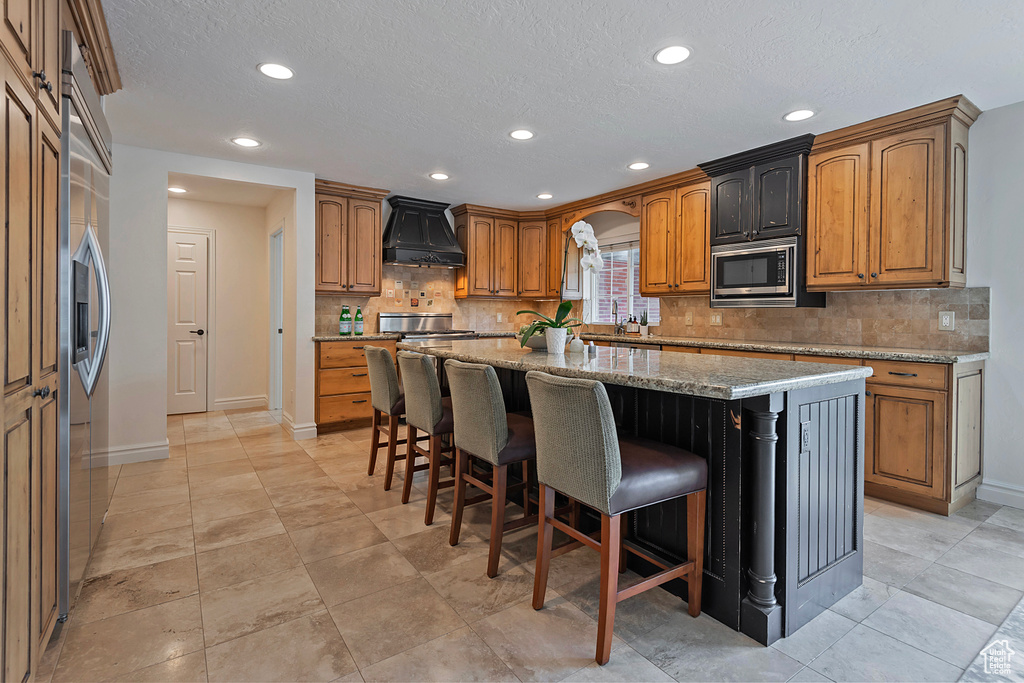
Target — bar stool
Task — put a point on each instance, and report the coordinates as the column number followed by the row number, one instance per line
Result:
column 580, row 455
column 387, row 399
column 484, row 430
column 426, row 411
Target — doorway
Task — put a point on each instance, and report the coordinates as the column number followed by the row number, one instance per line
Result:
column 276, row 319
column 189, row 319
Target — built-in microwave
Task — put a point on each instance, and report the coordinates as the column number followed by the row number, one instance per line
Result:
column 760, row 274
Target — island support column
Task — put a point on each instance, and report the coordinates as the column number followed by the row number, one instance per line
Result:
column 760, row 612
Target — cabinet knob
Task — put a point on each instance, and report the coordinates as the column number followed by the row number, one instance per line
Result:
column 874, row 274
column 867, row 393
column 860, row 275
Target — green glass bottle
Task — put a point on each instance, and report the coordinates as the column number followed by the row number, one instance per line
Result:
column 345, row 326
column 359, row 321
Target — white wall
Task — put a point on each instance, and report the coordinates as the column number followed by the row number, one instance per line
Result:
column 242, row 304
column 994, row 252
column 138, row 279
column 281, row 213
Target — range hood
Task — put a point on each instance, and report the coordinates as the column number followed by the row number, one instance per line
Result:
column 418, row 234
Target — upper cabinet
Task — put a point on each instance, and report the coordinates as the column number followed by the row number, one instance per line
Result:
column 675, row 241
column 533, row 249
column 887, row 201
column 348, row 239
column 31, row 37
column 491, row 245
column 757, row 194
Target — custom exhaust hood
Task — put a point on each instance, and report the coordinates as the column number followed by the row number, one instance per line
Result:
column 418, row 234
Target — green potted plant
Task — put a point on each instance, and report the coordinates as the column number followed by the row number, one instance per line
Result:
column 555, row 329
column 644, row 327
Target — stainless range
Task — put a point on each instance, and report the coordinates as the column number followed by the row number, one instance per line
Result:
column 431, row 328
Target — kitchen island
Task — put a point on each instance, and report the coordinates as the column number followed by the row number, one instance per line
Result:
column 784, row 442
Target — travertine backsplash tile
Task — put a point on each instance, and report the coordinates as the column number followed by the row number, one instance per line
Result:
column 902, row 319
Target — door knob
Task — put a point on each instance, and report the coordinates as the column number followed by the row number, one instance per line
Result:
column 199, row 332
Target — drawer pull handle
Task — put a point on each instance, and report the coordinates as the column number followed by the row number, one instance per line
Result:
column 362, row 400
column 359, row 374
column 358, row 347
column 903, row 374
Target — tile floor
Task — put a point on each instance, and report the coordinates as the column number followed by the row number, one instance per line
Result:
column 247, row 556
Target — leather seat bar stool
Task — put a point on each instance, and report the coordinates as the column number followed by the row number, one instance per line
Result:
column 484, row 430
column 388, row 400
column 580, row 455
column 428, row 412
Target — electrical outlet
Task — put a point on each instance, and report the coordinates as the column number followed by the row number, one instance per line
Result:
column 689, row 317
column 805, row 437
column 947, row 321
column 499, row 317
column 716, row 319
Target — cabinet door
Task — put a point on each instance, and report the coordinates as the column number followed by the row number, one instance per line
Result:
column 479, row 264
column 331, row 266
column 907, row 189
column 837, row 218
column 21, row 351
column 693, row 243
column 658, row 244
column 776, row 209
column 364, row 245
column 19, row 36
column 506, row 242
column 905, row 443
column 554, row 257
column 48, row 57
column 462, row 274
column 532, row 259
column 730, row 208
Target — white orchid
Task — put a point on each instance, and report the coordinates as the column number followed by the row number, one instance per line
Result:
column 583, row 233
column 591, row 261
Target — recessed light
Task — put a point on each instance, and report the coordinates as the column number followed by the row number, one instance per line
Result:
column 278, row 71
column 799, row 115
column 544, row 195
column 672, row 54
column 439, row 176
column 245, row 142
column 639, row 166
column 177, row 190
column 521, row 134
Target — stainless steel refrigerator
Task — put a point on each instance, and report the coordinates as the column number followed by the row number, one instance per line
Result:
column 84, row 321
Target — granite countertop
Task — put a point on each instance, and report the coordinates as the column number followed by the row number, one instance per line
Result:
column 361, row 337
column 722, row 377
column 809, row 349
column 493, row 334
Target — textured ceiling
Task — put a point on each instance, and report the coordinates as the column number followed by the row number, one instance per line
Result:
column 206, row 189
column 387, row 91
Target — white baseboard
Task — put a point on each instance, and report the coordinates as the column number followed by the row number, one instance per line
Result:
column 125, row 455
column 1002, row 493
column 299, row 432
column 240, row 402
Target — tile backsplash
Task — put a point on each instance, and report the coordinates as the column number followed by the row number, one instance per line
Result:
column 892, row 318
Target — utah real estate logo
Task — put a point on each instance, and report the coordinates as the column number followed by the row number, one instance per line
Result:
column 998, row 656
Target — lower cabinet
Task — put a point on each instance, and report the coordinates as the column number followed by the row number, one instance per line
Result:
column 905, row 444
column 343, row 383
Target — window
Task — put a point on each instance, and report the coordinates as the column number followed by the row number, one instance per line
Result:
column 619, row 281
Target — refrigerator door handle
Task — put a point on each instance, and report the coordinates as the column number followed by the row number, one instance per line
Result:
column 89, row 253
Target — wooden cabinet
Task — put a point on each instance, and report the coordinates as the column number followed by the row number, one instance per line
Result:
column 343, row 383
column 348, row 239
column 675, row 248
column 887, row 201
column 29, row 182
column 905, row 438
column 505, row 257
column 533, row 250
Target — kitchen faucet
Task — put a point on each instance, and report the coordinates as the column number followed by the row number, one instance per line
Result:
column 620, row 328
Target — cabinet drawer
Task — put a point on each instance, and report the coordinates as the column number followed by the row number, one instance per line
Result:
column 748, row 354
column 348, row 354
column 344, row 381
column 832, row 360
column 681, row 349
column 922, row 375
column 346, row 407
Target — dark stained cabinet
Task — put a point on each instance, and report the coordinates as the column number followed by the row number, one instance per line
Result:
column 776, row 189
column 730, row 219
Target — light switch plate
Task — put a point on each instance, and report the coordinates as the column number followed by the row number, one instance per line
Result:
column 499, row 317
column 716, row 319
column 689, row 317
column 947, row 321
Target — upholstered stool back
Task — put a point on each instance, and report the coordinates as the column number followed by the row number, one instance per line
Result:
column 423, row 408
column 385, row 392
column 481, row 424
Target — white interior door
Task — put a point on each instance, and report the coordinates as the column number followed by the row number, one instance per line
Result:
column 276, row 319
column 187, row 321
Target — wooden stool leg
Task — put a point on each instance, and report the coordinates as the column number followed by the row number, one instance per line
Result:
column 460, row 496
column 526, row 488
column 695, row 511
column 374, row 441
column 545, row 534
column 392, row 450
column 624, row 525
column 434, row 479
column 410, row 462
column 611, row 538
column 499, row 484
